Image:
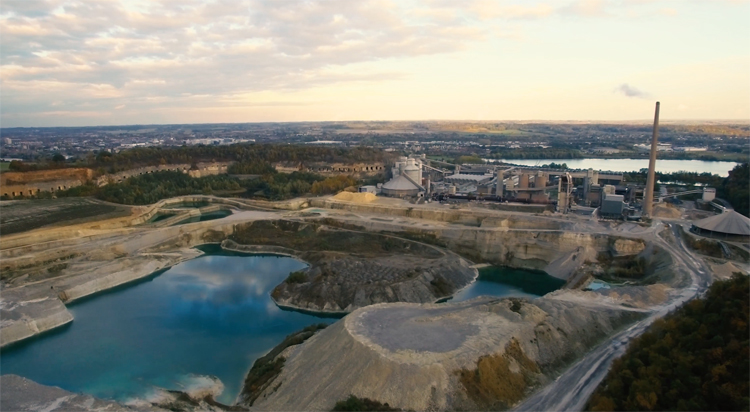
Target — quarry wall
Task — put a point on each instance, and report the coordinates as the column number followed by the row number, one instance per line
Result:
column 28, row 184
column 17, row 184
column 333, row 169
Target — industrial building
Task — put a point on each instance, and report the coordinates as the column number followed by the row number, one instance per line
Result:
column 729, row 225
column 612, row 205
column 407, row 179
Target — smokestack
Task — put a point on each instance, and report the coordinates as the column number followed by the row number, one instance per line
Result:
column 648, row 202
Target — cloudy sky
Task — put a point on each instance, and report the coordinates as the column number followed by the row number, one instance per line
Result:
column 141, row 62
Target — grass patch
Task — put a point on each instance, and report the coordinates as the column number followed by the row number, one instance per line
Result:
column 626, row 267
column 704, row 246
column 297, row 277
column 441, row 287
column 492, row 385
column 353, row 403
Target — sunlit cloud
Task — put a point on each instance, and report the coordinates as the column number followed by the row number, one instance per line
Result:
column 145, row 57
column 631, row 91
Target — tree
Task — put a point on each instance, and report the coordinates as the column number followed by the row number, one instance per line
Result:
column 58, row 158
column 736, row 189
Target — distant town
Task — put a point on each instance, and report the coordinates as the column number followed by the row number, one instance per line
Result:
column 494, row 140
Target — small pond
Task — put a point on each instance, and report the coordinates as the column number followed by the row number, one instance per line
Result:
column 219, row 214
column 506, row 282
column 158, row 218
column 212, row 315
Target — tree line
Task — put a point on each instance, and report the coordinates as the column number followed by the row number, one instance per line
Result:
column 695, row 359
column 150, row 188
column 735, row 188
column 107, row 162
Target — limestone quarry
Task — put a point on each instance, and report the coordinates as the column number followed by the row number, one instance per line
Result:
column 385, row 262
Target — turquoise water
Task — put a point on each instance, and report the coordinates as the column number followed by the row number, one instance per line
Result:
column 209, row 316
column 159, row 217
column 219, row 214
column 506, row 282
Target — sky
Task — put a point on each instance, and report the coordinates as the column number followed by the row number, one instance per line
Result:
column 79, row 63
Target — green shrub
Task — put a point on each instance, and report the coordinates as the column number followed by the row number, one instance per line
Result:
column 297, row 277
column 353, row 403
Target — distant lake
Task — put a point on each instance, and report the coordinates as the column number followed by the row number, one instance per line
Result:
column 634, row 165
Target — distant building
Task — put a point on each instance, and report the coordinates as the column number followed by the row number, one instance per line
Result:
column 612, row 206
column 407, row 178
column 690, row 149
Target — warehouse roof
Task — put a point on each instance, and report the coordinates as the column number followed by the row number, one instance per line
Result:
column 399, row 183
column 729, row 222
column 475, row 178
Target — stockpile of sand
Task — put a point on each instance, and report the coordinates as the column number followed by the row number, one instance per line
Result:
column 356, row 197
column 667, row 211
column 724, row 271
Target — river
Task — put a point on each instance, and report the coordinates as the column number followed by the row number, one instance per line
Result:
column 630, row 165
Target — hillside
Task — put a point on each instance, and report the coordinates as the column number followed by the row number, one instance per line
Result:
column 694, row 359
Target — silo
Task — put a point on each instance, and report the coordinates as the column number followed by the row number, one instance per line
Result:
column 541, row 180
column 413, row 171
column 524, row 182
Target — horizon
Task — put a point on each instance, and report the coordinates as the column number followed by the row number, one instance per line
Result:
column 648, row 122
column 129, row 62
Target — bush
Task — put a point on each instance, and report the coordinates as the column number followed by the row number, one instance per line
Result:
column 694, row 359
column 297, row 277
column 353, row 403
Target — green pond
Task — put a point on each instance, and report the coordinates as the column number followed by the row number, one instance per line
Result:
column 507, row 282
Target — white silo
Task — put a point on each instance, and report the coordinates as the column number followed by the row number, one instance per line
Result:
column 413, row 171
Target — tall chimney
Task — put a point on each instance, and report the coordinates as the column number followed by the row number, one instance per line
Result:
column 648, row 202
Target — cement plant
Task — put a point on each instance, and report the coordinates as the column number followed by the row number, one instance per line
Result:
column 379, row 291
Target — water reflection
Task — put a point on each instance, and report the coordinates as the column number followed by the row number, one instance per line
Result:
column 209, row 316
column 506, row 282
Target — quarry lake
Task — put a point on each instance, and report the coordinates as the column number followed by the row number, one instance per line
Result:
column 507, row 282
column 630, row 165
column 210, row 316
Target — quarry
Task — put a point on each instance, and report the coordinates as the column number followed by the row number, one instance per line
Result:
column 387, row 264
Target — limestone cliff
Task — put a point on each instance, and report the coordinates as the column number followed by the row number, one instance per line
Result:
column 481, row 354
column 342, row 283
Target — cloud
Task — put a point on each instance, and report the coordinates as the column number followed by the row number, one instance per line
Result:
column 631, row 91
column 121, row 52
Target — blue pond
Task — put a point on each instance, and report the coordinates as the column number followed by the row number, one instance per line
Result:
column 209, row 316
column 507, row 282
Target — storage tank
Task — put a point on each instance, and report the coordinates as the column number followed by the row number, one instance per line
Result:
column 524, row 182
column 541, row 180
column 452, row 189
column 709, row 194
column 413, row 171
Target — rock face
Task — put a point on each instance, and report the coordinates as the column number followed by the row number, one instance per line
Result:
column 480, row 354
column 342, row 283
column 21, row 394
column 351, row 269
